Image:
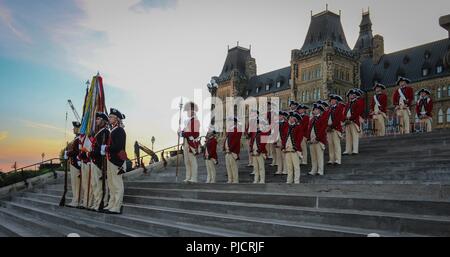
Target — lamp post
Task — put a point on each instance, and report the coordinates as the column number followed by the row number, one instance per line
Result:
column 153, row 141
column 212, row 88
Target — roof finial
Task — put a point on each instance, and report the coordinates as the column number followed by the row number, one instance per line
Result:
column 362, row 11
column 326, row 7
column 311, row 13
column 339, row 12
column 368, row 9
column 250, row 47
column 237, row 43
column 228, row 47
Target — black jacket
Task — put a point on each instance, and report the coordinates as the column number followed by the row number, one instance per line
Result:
column 117, row 142
column 101, row 138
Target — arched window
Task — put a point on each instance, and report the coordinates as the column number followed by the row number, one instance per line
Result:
column 440, row 116
column 307, row 96
column 448, row 115
column 303, row 96
column 314, row 94
column 318, row 93
column 439, row 93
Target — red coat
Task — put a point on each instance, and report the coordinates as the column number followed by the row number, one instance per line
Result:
column 409, row 94
column 211, row 147
column 296, row 133
column 356, row 110
column 427, row 103
column 234, row 141
column 382, row 99
column 260, row 144
column 337, row 116
column 283, row 127
column 304, row 123
column 319, row 124
column 191, row 132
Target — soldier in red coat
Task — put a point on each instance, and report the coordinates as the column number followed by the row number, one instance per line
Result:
column 402, row 99
column 190, row 135
column 210, row 155
column 232, row 147
column 71, row 154
column 253, row 123
column 424, row 108
column 258, row 150
column 352, row 114
column 334, row 128
column 317, row 139
column 304, row 123
column 282, row 134
column 378, row 109
column 291, row 146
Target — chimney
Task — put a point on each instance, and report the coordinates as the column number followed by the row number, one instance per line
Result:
column 378, row 48
column 444, row 21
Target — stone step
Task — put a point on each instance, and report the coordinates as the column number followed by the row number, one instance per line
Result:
column 9, row 227
column 73, row 222
column 241, row 223
column 149, row 226
column 28, row 226
column 348, row 202
column 395, row 223
column 428, row 192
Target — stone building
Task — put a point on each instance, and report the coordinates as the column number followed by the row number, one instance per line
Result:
column 326, row 64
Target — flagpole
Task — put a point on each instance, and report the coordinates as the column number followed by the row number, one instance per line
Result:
column 178, row 144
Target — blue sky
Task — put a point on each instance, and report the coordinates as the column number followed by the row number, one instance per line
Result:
column 151, row 51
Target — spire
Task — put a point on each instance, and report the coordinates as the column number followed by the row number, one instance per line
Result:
column 364, row 43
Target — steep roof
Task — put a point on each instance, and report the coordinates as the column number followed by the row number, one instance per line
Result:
column 325, row 26
column 281, row 75
column 364, row 41
column 407, row 63
column 236, row 60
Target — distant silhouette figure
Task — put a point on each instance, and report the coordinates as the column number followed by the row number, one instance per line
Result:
column 163, row 159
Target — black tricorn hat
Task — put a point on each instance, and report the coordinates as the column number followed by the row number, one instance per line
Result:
column 318, row 106
column 295, row 115
column 336, row 97
column 379, row 85
column 424, row 90
column 283, row 113
column 101, row 115
column 117, row 113
column 302, row 106
column 323, row 103
column 76, row 124
column 400, row 78
column 354, row 91
column 292, row 102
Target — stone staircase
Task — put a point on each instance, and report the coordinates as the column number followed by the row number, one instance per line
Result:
column 396, row 186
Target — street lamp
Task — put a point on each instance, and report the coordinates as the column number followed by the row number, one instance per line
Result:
column 212, row 88
column 153, row 141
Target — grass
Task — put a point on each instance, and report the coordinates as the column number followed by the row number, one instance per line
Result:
column 10, row 178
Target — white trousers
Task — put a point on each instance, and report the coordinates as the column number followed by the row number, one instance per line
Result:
column 260, row 171
column 304, row 146
column 426, row 123
column 86, row 175
column 293, row 167
column 211, row 170
column 191, row 166
column 97, row 187
column 334, row 146
column 403, row 116
column 351, row 138
column 380, row 125
column 75, row 183
column 116, row 187
column 280, row 159
column 232, row 168
column 317, row 158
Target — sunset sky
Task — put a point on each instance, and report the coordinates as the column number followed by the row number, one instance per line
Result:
column 151, row 51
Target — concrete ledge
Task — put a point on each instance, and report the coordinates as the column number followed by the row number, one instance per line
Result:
column 155, row 167
column 32, row 182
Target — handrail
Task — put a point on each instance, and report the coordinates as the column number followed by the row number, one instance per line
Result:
column 159, row 151
column 34, row 165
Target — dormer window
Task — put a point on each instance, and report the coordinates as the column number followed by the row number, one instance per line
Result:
column 439, row 69
column 278, row 84
column 267, row 87
column 257, row 90
column 425, row 72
